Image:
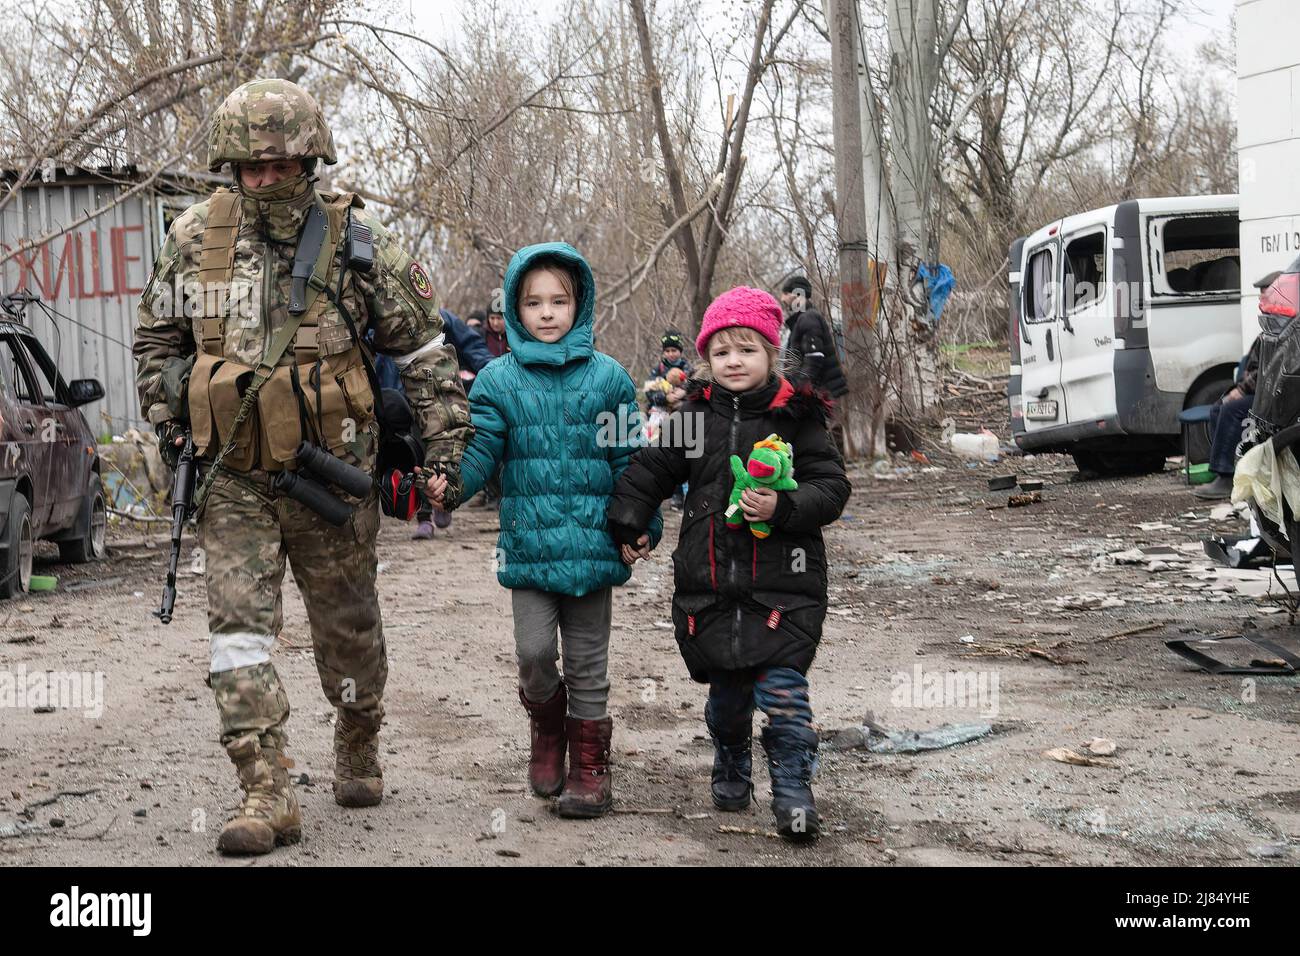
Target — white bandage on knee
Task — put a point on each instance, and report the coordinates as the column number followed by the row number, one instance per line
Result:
column 435, row 343
column 240, row 649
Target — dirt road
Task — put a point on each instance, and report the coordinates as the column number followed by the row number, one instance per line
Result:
column 1205, row 767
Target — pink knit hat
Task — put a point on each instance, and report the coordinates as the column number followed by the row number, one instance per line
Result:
column 741, row 306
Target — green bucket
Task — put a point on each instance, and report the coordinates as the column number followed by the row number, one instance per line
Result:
column 1200, row 474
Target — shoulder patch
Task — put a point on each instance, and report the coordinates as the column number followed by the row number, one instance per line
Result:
column 419, row 281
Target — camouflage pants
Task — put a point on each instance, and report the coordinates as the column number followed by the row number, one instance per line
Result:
column 246, row 532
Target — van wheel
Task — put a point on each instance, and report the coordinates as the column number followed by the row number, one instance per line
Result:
column 1200, row 436
column 89, row 546
column 1111, row 463
column 16, row 569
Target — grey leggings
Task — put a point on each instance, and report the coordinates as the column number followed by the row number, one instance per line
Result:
column 583, row 623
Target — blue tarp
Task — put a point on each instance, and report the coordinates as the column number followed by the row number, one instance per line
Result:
column 939, row 285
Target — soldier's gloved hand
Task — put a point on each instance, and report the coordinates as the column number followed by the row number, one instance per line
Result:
column 431, row 485
column 451, row 472
column 171, row 436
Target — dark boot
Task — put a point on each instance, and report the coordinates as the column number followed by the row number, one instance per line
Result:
column 733, row 764
column 587, row 791
column 791, row 753
column 1217, row 490
column 546, row 755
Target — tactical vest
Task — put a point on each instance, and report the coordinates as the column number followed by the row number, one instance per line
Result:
column 320, row 391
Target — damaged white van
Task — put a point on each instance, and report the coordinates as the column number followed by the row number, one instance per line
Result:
column 1119, row 319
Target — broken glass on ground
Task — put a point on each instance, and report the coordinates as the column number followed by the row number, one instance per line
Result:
column 872, row 737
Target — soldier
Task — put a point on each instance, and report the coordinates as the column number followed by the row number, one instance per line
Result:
column 221, row 311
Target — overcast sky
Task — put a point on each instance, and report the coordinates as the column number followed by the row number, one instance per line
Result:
column 1195, row 22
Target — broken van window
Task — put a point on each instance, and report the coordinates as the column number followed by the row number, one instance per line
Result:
column 1039, row 288
column 1085, row 269
column 1194, row 255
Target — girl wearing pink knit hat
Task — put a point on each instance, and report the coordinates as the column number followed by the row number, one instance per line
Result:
column 748, row 603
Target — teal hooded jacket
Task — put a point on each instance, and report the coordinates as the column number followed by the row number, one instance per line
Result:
column 563, row 421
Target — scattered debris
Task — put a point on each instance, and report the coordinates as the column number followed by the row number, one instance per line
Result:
column 1002, row 482
column 1155, row 526
column 644, row 810
column 1270, row 851
column 19, row 828
column 1026, row 650
column 91, row 585
column 1238, row 552
column 1100, row 746
column 1226, row 511
column 871, row 736
column 28, row 810
column 745, row 831
column 1089, row 601
column 983, row 446
column 1066, row 755
column 1133, row 631
column 1280, row 661
column 1020, row 501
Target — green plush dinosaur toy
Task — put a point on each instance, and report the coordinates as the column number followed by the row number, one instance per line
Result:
column 770, row 465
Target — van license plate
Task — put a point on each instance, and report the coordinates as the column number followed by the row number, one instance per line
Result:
column 1041, row 411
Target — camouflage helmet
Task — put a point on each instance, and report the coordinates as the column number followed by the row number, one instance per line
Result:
column 268, row 120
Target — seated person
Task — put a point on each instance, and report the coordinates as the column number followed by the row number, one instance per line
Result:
column 1226, row 421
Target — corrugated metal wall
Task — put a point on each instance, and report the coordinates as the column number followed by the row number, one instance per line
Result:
column 91, row 277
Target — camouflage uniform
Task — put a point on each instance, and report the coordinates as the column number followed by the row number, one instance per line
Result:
column 247, row 530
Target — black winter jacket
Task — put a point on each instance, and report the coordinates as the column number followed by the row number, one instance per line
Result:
column 740, row 602
column 812, row 353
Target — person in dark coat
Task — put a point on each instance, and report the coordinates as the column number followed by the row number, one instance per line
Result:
column 495, row 333
column 1227, row 418
column 671, row 347
column 808, row 345
column 662, row 399
column 747, row 611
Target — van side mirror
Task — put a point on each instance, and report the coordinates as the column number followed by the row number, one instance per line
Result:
column 83, row 391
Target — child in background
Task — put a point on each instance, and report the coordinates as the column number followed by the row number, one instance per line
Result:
column 543, row 412
column 673, row 387
column 747, row 611
column 662, row 401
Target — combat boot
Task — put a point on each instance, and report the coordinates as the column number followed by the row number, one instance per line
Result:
column 358, row 778
column 732, row 784
column 588, row 791
column 791, row 757
column 269, row 813
column 546, row 749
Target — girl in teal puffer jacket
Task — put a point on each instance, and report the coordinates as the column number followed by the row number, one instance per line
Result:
column 562, row 420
